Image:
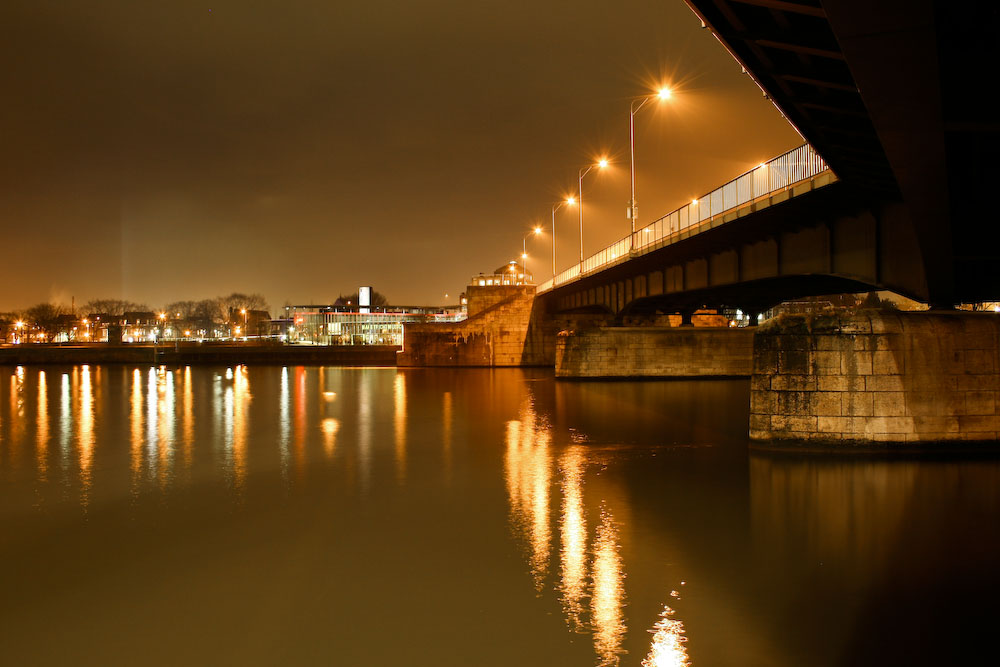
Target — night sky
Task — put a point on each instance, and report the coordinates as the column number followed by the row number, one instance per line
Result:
column 157, row 151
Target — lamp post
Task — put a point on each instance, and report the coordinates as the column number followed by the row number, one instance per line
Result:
column 524, row 249
column 601, row 164
column 633, row 207
column 555, row 207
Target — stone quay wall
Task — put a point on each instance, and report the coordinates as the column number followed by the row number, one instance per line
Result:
column 607, row 352
column 884, row 378
column 502, row 330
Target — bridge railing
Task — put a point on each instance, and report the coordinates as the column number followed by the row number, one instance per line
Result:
column 781, row 173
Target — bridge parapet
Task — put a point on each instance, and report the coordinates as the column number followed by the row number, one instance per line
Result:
column 797, row 171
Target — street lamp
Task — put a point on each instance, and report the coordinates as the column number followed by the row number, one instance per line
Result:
column 633, row 207
column 555, row 207
column 524, row 249
column 601, row 164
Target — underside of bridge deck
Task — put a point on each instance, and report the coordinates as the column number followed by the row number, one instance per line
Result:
column 896, row 96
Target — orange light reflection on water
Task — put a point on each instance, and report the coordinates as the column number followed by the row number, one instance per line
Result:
column 573, row 534
column 609, row 592
column 42, row 429
column 399, row 423
column 668, row 649
column 528, row 485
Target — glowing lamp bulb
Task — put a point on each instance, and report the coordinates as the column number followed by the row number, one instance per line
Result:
column 664, row 93
column 538, row 230
column 602, row 164
column 570, row 200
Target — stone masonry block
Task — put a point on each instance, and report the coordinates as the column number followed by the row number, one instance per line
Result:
column 856, row 404
column 789, row 423
column 760, row 382
column 876, row 425
column 888, row 404
column 793, row 362
column 886, row 342
column 884, row 383
column 980, row 361
column 761, row 402
column 825, row 343
column 789, row 342
column 827, row 403
column 793, row 383
column 980, row 403
column 941, row 424
column 934, row 403
column 827, row 363
column 886, row 323
column 863, row 342
column 979, row 423
column 856, row 363
column 834, row 424
column 793, row 402
column 765, row 361
column 840, row 383
column 978, row 382
column 760, row 422
column 887, row 363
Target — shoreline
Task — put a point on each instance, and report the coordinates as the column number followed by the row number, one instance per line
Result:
column 198, row 353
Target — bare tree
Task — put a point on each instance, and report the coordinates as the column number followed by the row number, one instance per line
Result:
column 185, row 310
column 113, row 306
column 46, row 317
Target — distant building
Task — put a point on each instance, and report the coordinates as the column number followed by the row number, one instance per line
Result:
column 508, row 274
column 351, row 325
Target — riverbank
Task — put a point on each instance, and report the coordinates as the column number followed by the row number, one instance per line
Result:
column 200, row 353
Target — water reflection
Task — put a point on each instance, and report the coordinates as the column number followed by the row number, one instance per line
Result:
column 528, row 480
column 399, row 423
column 188, row 417
column 284, row 423
column 446, row 425
column 573, row 533
column 135, row 429
column 668, row 649
column 330, row 427
column 609, row 592
column 42, row 428
column 85, row 440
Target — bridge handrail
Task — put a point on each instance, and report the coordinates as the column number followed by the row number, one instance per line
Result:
column 764, row 180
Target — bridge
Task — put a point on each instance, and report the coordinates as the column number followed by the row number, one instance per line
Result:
column 893, row 190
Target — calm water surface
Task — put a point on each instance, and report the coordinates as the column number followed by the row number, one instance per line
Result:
column 331, row 516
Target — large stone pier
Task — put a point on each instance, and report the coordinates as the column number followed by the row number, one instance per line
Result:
column 881, row 378
column 615, row 352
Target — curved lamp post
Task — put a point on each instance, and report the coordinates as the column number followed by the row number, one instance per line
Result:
column 600, row 164
column 633, row 207
column 555, row 207
column 524, row 250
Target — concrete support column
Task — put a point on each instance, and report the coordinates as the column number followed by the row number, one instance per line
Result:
column 883, row 378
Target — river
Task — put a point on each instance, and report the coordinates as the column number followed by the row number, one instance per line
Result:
column 363, row 516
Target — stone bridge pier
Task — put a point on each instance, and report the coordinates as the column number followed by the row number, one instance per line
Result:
column 879, row 378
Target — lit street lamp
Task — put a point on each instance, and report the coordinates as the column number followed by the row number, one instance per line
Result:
column 524, row 249
column 633, row 207
column 555, row 207
column 601, row 164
